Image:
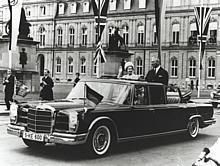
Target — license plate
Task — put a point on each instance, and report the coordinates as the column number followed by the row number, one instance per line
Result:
column 33, row 136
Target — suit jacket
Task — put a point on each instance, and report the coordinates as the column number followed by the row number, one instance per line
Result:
column 46, row 92
column 161, row 76
column 10, row 85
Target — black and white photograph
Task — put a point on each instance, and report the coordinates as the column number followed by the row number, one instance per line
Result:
column 109, row 82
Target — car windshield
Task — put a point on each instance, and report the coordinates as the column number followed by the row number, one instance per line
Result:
column 111, row 92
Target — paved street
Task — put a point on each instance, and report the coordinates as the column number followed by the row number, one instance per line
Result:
column 175, row 150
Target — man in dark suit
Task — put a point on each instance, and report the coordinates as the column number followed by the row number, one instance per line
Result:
column 47, row 84
column 9, row 83
column 157, row 74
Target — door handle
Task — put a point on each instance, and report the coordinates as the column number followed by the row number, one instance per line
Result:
column 151, row 109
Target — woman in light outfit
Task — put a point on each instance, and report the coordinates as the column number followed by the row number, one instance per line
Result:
column 129, row 68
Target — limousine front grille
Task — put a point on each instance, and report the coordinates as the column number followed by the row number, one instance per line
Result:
column 39, row 120
column 22, row 116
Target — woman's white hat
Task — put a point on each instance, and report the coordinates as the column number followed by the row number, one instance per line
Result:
column 127, row 64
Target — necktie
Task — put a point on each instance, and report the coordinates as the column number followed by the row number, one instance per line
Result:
column 155, row 71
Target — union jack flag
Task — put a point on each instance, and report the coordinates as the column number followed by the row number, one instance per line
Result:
column 202, row 15
column 100, row 8
column 99, row 54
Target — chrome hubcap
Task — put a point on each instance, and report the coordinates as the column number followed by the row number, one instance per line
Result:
column 101, row 140
column 193, row 127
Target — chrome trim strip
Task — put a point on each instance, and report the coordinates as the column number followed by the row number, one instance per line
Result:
column 150, row 135
column 209, row 122
column 195, row 116
column 103, row 118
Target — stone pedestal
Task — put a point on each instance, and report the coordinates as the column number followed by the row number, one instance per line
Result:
column 113, row 62
column 29, row 74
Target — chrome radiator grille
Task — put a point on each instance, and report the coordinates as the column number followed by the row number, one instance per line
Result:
column 39, row 120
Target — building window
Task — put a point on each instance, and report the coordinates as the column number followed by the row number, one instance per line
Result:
column 154, row 35
column 61, row 8
column 59, row 37
column 176, row 2
column 84, row 36
column 194, row 2
column 71, row 36
column 140, row 35
column 142, row 4
column 213, row 32
column 42, row 10
column 110, row 33
column 28, row 11
column 139, row 66
column 192, row 67
column 73, row 7
column 112, row 5
column 96, row 34
column 70, row 65
column 125, row 34
column 127, row 4
column 58, row 64
column 85, row 7
column 42, row 36
column 95, row 68
column 193, row 34
column 83, row 65
column 211, row 68
column 174, row 67
column 176, row 29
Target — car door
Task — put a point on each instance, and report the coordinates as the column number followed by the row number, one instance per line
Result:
column 143, row 115
column 168, row 117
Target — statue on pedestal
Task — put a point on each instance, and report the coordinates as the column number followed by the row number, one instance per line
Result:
column 116, row 41
column 24, row 29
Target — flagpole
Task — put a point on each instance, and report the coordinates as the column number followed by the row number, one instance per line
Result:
column 98, row 58
column 199, row 79
column 10, row 35
column 200, row 68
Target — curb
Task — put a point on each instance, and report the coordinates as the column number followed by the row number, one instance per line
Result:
column 2, row 110
column 4, row 113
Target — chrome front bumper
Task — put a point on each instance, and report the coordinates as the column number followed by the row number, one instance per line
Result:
column 209, row 122
column 55, row 137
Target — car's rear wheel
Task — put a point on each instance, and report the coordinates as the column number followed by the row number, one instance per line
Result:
column 33, row 144
column 193, row 127
column 100, row 140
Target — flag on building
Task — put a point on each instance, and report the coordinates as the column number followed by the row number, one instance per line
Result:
column 202, row 15
column 93, row 97
column 100, row 53
column 15, row 9
column 160, row 6
column 100, row 8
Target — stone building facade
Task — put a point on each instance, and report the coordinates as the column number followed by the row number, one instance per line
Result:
column 67, row 34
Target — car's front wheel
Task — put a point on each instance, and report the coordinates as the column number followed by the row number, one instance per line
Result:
column 100, row 140
column 193, row 127
column 33, row 144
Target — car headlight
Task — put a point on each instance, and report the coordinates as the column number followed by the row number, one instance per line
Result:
column 73, row 121
column 13, row 113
